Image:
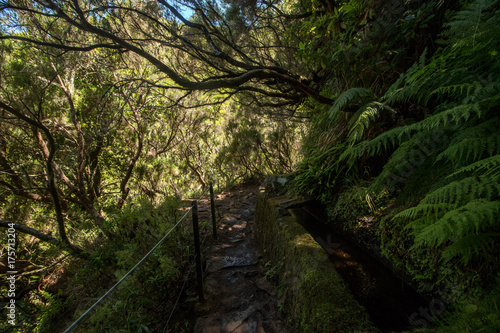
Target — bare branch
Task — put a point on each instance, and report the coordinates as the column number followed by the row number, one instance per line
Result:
column 64, row 46
column 123, row 184
column 49, row 170
column 44, row 237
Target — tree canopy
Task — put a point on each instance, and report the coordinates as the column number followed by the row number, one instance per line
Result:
column 220, row 49
column 112, row 111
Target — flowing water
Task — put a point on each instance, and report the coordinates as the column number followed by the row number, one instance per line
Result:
column 388, row 300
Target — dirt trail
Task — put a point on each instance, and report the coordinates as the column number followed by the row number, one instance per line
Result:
column 238, row 297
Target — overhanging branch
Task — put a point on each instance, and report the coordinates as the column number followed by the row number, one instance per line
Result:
column 240, row 72
column 44, row 237
column 64, row 47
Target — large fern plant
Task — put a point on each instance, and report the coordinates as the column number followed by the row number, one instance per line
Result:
column 460, row 139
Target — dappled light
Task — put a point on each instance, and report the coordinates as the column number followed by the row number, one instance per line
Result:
column 156, row 157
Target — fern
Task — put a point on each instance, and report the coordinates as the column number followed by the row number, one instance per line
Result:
column 471, row 149
column 459, row 69
column 462, row 212
column 425, row 210
column 348, row 97
column 465, row 189
column 453, row 195
column 407, row 158
column 381, row 143
column 488, row 166
column 417, row 83
column 470, row 245
column 472, row 143
column 458, row 90
column 473, row 217
column 362, row 119
column 451, row 158
column 455, row 211
column 466, row 23
column 453, row 117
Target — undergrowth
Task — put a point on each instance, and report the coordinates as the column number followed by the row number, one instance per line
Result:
column 440, row 168
column 143, row 302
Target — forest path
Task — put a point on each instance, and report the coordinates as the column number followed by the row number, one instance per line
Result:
column 239, row 299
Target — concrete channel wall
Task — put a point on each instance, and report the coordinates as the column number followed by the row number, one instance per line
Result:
column 312, row 294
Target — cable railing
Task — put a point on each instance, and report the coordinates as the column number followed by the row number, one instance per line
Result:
column 196, row 262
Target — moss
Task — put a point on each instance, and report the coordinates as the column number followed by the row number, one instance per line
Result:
column 313, row 295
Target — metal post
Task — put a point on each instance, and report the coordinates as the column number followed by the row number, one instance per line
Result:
column 212, row 206
column 199, row 272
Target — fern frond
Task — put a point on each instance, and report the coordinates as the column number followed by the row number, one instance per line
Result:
column 428, row 126
column 474, row 217
column 469, row 245
column 451, row 117
column 470, row 144
column 412, row 152
column 461, row 213
column 464, row 190
column 488, row 166
column 425, row 210
column 458, row 70
column 362, row 119
column 457, row 91
column 348, row 97
column 465, row 24
column 471, row 149
column 384, row 141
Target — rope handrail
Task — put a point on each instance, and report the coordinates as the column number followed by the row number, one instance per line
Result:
column 70, row 328
column 191, row 266
column 193, row 263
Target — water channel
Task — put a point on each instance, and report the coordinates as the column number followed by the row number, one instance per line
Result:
column 388, row 300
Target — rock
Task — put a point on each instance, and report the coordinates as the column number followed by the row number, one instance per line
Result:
column 264, row 285
column 248, row 196
column 230, row 219
column 238, row 298
column 275, row 185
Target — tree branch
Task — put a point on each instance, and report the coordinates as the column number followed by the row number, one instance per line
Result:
column 64, row 47
column 250, row 71
column 49, row 171
column 123, row 184
column 44, row 237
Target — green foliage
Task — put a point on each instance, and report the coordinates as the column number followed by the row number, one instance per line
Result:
column 473, row 143
column 475, row 314
column 349, row 206
column 111, row 119
column 430, row 141
column 140, row 302
column 432, row 144
column 363, row 44
column 348, row 98
column 257, row 146
column 363, row 118
column 54, row 306
column 316, row 174
column 461, row 214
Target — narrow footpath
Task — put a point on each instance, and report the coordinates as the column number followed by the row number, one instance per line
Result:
column 239, row 299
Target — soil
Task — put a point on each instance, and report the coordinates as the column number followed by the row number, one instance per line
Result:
column 238, row 298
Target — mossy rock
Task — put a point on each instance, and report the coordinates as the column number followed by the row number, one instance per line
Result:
column 313, row 295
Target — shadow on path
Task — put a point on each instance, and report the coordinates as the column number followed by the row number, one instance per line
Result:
column 238, row 297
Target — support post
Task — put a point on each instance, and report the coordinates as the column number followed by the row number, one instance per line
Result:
column 197, row 249
column 212, row 206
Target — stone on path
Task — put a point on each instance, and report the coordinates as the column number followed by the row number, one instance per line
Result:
column 238, row 297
